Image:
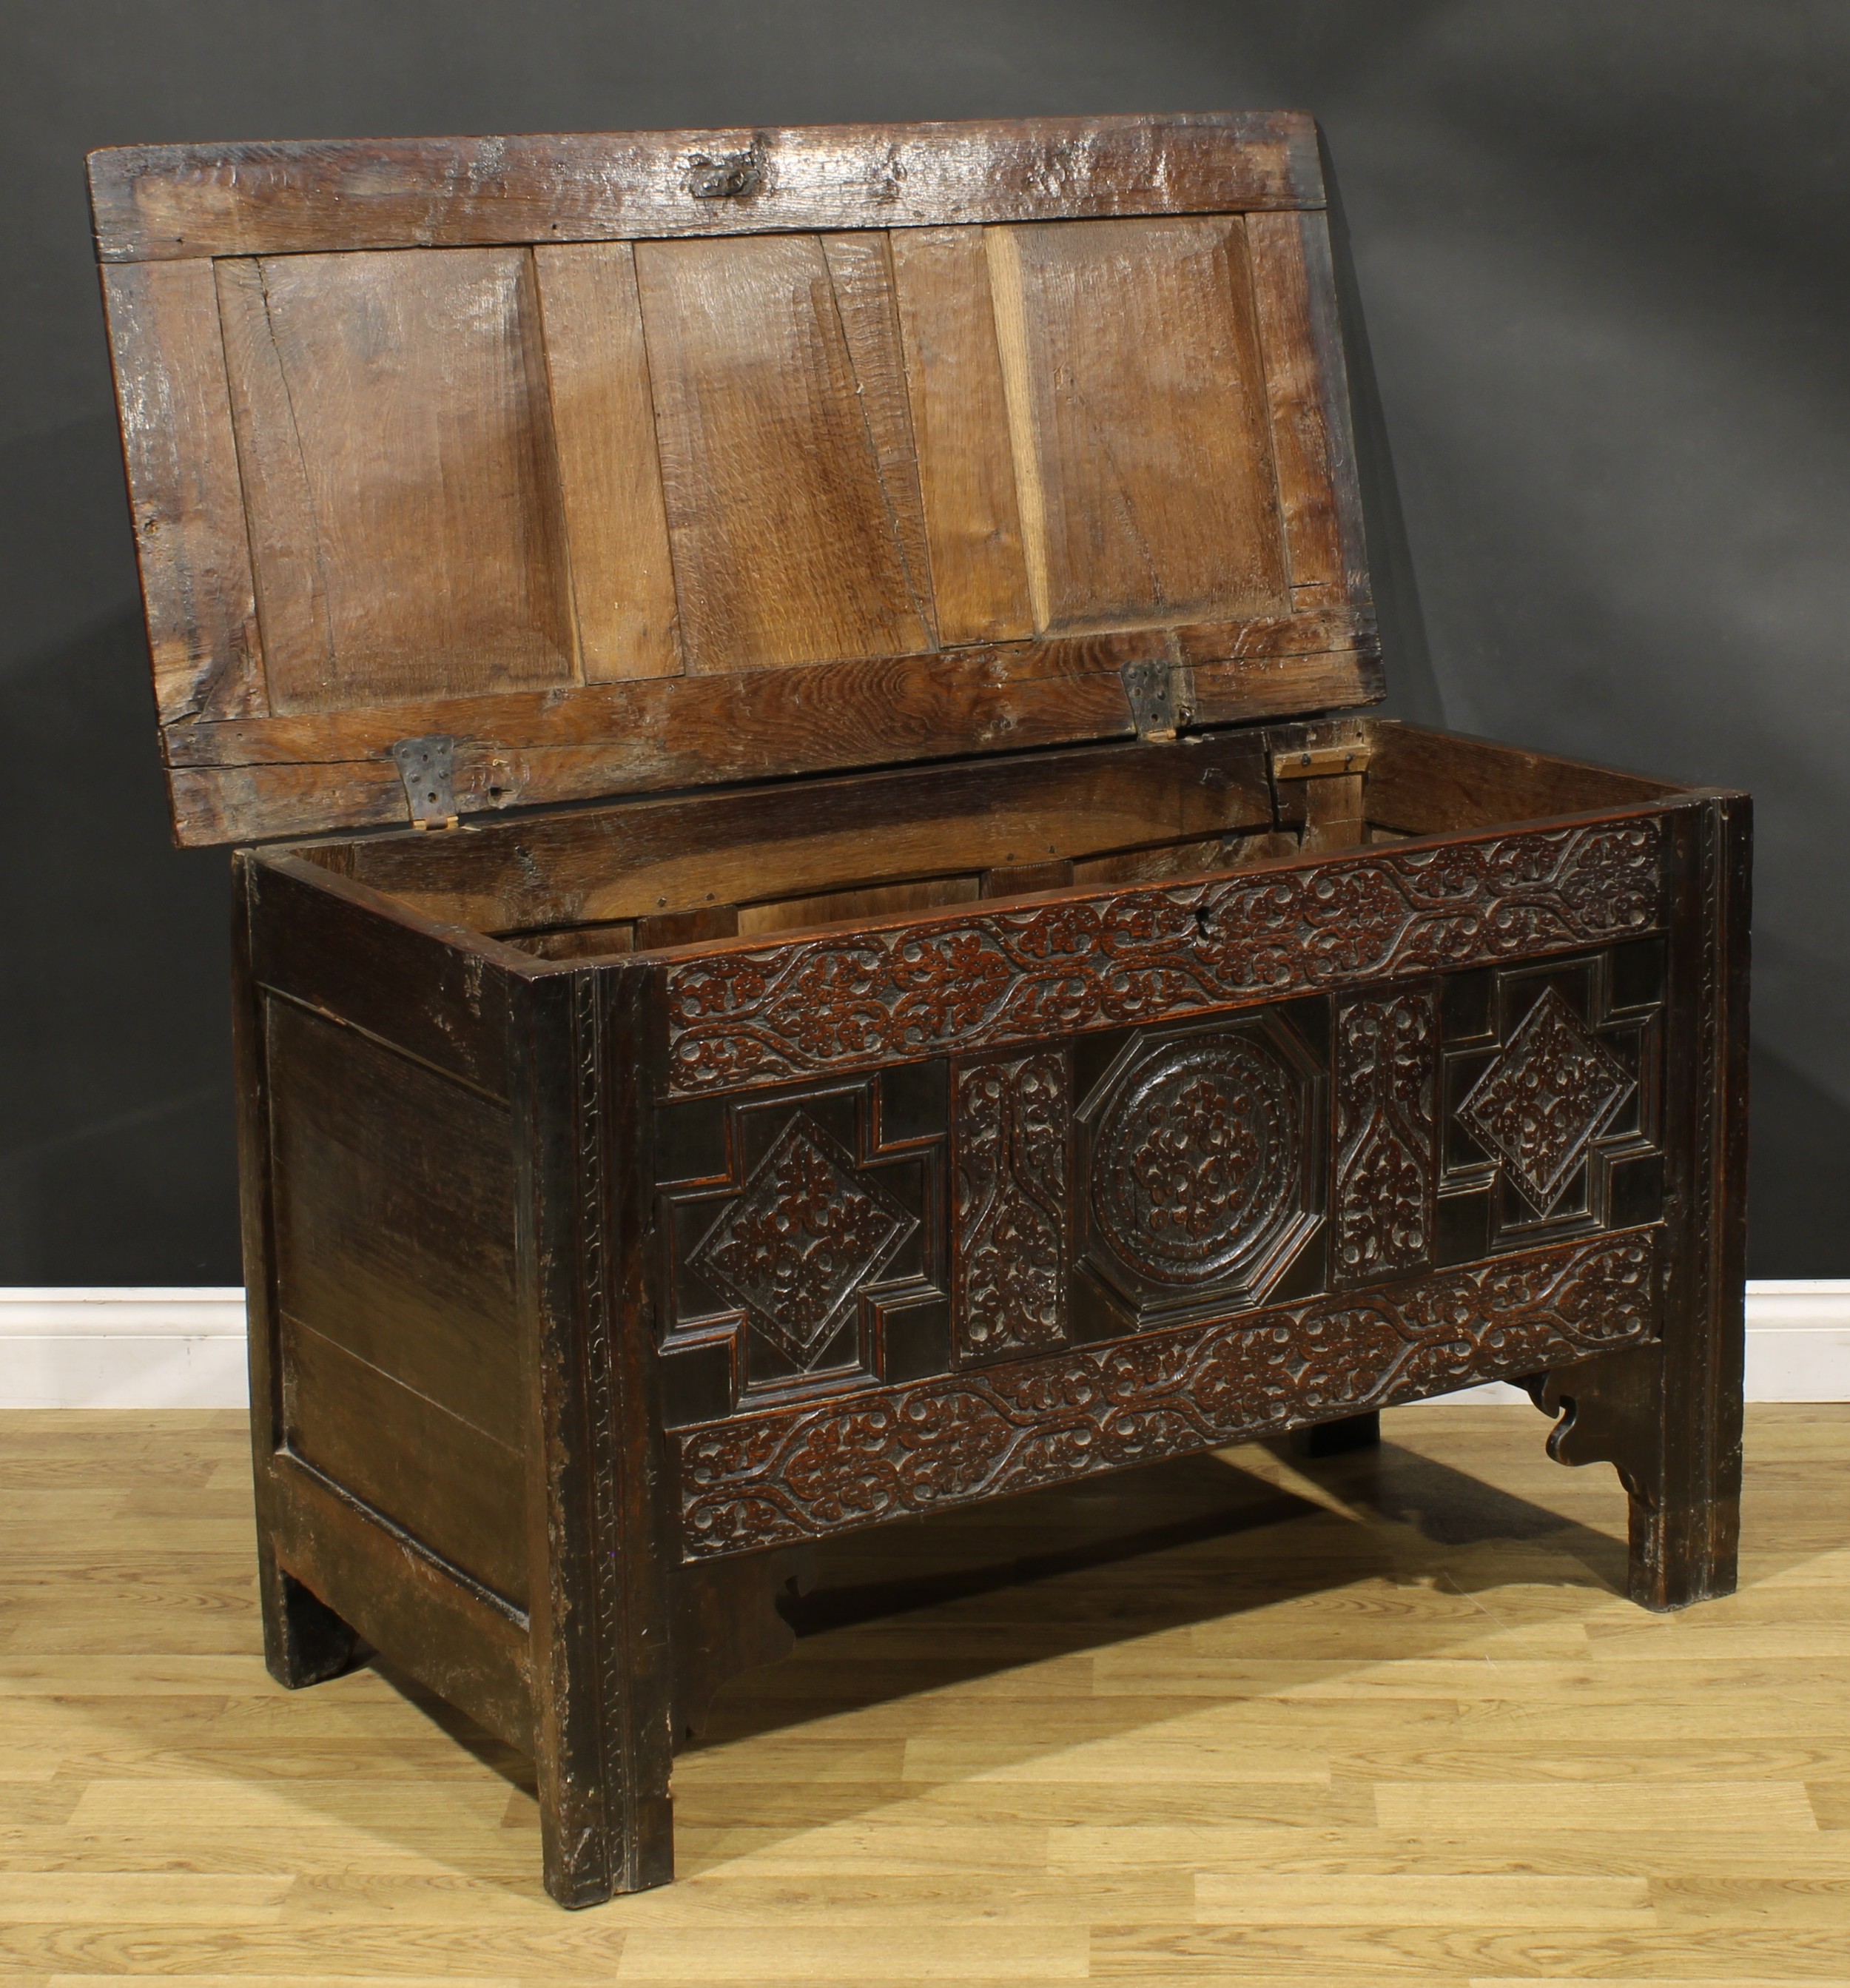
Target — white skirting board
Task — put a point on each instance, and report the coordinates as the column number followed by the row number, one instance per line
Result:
column 66, row 1347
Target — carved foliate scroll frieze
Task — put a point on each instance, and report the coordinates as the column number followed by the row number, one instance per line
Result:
column 1012, row 1242
column 1387, row 1161
column 810, row 1469
column 967, row 982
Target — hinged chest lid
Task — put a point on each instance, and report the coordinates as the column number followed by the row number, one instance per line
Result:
column 473, row 473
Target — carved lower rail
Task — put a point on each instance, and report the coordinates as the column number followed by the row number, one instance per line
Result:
column 810, row 1469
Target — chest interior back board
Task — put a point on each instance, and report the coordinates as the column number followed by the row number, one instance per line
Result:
column 822, row 934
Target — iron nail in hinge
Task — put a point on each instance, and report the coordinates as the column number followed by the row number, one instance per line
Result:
column 427, row 766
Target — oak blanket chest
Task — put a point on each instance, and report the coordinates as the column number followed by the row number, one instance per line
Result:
column 819, row 935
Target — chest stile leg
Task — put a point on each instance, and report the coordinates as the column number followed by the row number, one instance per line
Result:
column 305, row 1641
column 1668, row 1416
column 600, row 1647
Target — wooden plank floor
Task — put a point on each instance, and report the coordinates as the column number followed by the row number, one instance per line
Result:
column 1386, row 1721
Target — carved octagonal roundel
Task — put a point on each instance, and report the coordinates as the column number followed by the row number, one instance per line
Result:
column 1198, row 1163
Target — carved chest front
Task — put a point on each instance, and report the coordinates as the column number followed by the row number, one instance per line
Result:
column 822, row 934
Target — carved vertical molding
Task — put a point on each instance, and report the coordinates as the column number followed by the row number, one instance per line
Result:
column 1387, row 1049
column 594, row 1220
column 1013, row 1248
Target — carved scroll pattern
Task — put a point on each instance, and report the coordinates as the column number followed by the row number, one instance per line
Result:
column 967, row 982
column 1386, row 1133
column 1014, row 1246
column 753, row 1481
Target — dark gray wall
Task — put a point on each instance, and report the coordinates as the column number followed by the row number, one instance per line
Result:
column 1602, row 254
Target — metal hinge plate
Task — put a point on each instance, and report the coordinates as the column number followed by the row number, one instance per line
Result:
column 427, row 766
column 1160, row 692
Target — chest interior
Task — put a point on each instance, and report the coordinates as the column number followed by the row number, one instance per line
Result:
column 650, row 873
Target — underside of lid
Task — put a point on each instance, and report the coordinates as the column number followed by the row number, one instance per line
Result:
column 476, row 474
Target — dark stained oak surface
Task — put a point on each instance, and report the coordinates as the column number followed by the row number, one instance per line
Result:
column 995, row 1013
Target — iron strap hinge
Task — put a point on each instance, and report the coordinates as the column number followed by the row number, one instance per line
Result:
column 427, row 766
column 1160, row 691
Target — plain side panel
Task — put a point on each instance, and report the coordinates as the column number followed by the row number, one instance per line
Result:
column 391, row 408
column 182, row 465
column 400, row 1455
column 623, row 578
column 785, row 546
column 960, row 415
column 393, row 1217
column 1139, row 423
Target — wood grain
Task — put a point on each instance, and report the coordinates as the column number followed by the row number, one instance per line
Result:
column 678, row 854
column 164, row 202
column 597, row 370
column 785, row 550
column 385, row 1244
column 399, row 480
column 954, row 369
column 1137, row 420
column 401, row 475
column 248, row 780
column 1303, row 445
column 181, row 458
column 1410, row 1751
column 456, row 1490
column 861, row 272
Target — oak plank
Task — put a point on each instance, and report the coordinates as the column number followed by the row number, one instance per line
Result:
column 1138, row 421
column 388, row 407
column 607, row 865
column 289, row 569
column 784, row 551
column 597, row 366
column 1301, row 438
column 164, row 201
column 867, row 902
column 715, row 731
column 1433, row 782
column 452, row 1487
column 606, row 713
column 953, row 369
column 454, row 1639
column 181, row 457
column 387, row 1241
column 860, row 268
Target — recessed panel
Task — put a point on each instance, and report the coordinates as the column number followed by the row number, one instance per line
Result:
column 784, row 466
column 394, row 440
column 1140, row 430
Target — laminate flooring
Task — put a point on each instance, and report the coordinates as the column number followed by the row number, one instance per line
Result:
column 1378, row 1720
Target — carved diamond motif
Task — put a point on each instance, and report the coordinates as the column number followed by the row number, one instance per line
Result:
column 808, row 1231
column 1550, row 1092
